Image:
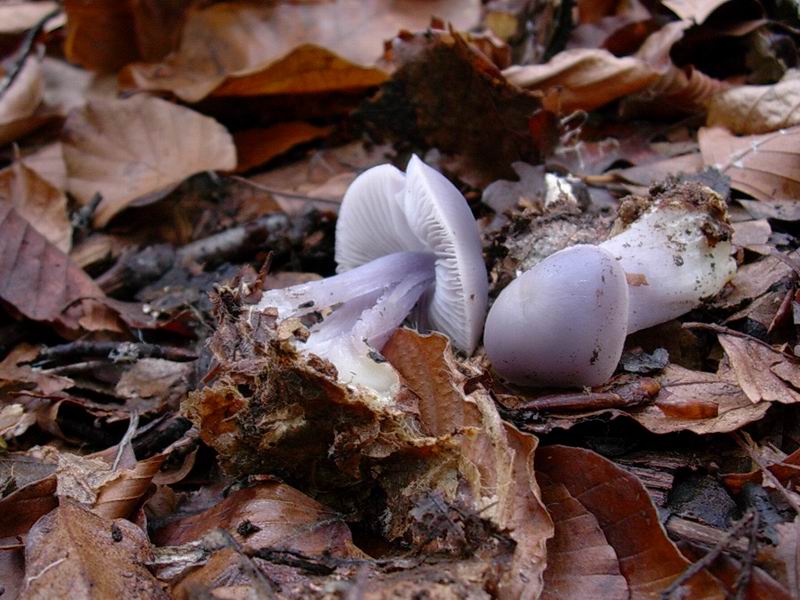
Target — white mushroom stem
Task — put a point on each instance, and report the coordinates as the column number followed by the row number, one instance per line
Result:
column 674, row 257
column 369, row 303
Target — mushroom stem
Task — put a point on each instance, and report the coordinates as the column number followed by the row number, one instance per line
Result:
column 369, row 303
column 370, row 278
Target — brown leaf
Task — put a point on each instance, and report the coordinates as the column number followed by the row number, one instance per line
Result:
column 19, row 103
column 786, row 469
column 695, row 10
column 16, row 374
column 104, row 35
column 507, row 489
column 677, row 91
column 583, row 79
column 255, row 147
column 684, row 386
column 308, row 69
column 12, row 569
column 270, row 515
column 447, row 94
column 152, row 384
column 18, row 16
column 34, row 486
column 48, row 163
column 233, row 39
column 764, row 166
column 787, row 553
column 36, row 278
column 39, row 203
column 73, row 553
column 761, row 371
column 138, row 150
column 751, row 109
column 609, row 541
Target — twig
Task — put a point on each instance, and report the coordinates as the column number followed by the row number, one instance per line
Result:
column 262, row 585
column 116, row 351
column 133, row 425
column 25, row 50
column 707, row 560
column 743, row 580
column 790, row 499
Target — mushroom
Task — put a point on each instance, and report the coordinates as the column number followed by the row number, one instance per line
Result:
column 402, row 241
column 564, row 322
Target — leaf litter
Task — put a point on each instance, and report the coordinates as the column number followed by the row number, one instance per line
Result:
column 163, row 163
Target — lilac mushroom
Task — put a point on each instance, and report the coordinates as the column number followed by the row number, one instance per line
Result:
column 404, row 243
column 564, row 322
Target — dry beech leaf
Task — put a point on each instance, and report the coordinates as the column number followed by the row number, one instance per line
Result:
column 583, row 79
column 12, row 568
column 21, row 99
column 787, row 553
column 761, row 371
column 118, row 497
column 36, row 278
column 254, row 147
column 15, row 373
column 609, row 542
column 282, row 519
column 104, row 35
column 447, row 94
column 752, row 109
column 695, row 10
column 785, row 469
column 765, row 166
column 678, row 90
column 138, row 150
column 19, row 103
column 17, row 16
column 73, row 553
column 48, row 162
column 39, row 203
column 502, row 454
column 232, row 39
column 307, row 69
column 34, row 496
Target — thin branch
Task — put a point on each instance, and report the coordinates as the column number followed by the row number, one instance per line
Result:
column 24, row 51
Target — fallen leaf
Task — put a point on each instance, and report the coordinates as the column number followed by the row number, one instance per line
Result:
column 764, row 166
column 782, row 210
column 787, row 553
column 684, row 386
column 19, row 102
column 138, row 150
column 33, row 483
column 36, row 278
column 753, row 279
column 753, row 235
column 677, row 91
column 105, row 35
column 270, row 515
column 648, row 174
column 255, row 147
column 39, row 203
column 608, row 540
column 16, row 373
column 308, row 69
column 502, row 454
column 320, row 180
column 233, row 39
column 696, row 10
column 583, row 79
column 752, row 109
column 446, row 94
column 48, row 162
column 12, row 569
column 153, row 384
column 18, row 16
column 760, row 370
column 786, row 469
column 73, row 553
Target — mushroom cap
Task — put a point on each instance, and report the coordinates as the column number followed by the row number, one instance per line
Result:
column 385, row 211
column 561, row 323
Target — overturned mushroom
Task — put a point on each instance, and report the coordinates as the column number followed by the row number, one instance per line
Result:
column 402, row 241
column 564, row 321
